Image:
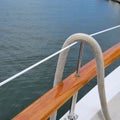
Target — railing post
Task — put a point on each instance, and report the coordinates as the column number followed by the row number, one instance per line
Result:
column 72, row 115
column 79, row 59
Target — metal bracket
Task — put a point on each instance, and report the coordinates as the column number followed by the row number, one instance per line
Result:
column 73, row 117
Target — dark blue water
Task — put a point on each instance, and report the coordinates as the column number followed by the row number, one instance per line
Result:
column 30, row 30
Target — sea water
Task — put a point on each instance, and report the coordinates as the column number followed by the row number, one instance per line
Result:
column 30, row 30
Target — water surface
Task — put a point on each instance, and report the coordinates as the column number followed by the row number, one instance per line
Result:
column 30, row 30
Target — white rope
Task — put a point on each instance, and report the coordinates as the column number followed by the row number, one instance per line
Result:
column 47, row 58
column 80, row 37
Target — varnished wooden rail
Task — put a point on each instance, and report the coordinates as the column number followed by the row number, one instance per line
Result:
column 42, row 108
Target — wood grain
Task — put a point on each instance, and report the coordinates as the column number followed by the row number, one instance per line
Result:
column 42, row 108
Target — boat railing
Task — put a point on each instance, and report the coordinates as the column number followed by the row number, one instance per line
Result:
column 46, row 105
column 58, row 75
column 49, row 57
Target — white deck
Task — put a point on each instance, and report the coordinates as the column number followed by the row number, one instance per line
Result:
column 88, row 108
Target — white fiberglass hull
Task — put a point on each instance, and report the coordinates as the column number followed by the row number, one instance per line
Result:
column 88, row 108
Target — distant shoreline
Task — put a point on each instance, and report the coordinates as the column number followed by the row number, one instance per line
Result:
column 117, row 1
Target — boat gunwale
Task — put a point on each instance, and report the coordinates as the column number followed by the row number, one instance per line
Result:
column 58, row 95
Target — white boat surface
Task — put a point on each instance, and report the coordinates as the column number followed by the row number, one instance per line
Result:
column 88, row 108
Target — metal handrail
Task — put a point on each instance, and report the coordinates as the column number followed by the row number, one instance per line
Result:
column 80, row 37
column 49, row 57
